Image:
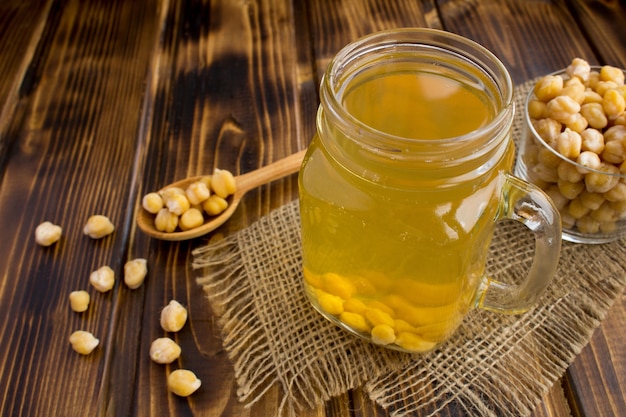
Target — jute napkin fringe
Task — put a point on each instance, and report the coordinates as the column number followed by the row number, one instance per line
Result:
column 495, row 365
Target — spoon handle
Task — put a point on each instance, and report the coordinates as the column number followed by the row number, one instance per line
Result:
column 271, row 172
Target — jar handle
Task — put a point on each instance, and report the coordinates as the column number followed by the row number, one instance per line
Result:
column 528, row 205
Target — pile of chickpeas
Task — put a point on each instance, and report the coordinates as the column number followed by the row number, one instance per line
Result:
column 581, row 115
column 178, row 209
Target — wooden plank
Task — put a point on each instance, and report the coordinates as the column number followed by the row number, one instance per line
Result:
column 603, row 23
column 228, row 88
column 530, row 38
column 74, row 135
column 596, row 381
column 336, row 23
column 21, row 27
column 554, row 404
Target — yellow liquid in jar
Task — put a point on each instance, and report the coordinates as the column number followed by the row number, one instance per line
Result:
column 399, row 266
column 418, row 106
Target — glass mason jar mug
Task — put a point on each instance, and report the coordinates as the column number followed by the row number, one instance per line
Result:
column 402, row 186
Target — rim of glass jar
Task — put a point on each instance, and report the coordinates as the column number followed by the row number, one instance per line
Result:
column 468, row 50
column 537, row 137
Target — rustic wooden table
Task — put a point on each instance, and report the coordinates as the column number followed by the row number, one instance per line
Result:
column 102, row 101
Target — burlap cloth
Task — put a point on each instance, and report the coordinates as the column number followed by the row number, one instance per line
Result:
column 495, row 365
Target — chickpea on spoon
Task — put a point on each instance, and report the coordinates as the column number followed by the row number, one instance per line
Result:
column 175, row 212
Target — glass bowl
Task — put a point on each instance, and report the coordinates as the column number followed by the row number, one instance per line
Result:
column 590, row 197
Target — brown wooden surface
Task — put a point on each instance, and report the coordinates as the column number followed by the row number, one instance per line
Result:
column 102, row 101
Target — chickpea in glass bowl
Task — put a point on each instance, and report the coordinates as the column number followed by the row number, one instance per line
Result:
column 573, row 146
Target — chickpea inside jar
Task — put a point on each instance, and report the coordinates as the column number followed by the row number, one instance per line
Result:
column 573, row 146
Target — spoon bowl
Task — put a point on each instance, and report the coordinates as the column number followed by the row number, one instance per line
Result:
column 245, row 183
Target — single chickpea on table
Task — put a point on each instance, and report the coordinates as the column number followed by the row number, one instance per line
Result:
column 83, row 342
column 581, row 115
column 79, row 301
column 183, row 382
column 135, row 272
column 173, row 317
column 98, row 226
column 164, row 350
column 102, row 279
column 47, row 233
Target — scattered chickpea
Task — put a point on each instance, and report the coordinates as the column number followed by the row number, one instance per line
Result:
column 47, row 233
column 183, row 382
column 171, row 192
column 83, row 342
column 173, row 316
column 135, row 272
column 98, row 226
column 223, row 183
column 191, row 219
column 214, row 205
column 197, row 192
column 79, row 301
column 152, row 203
column 177, row 204
column 102, row 279
column 165, row 221
column 164, row 350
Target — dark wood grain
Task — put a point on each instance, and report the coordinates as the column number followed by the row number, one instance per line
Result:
column 74, row 135
column 596, row 381
column 337, row 23
column 232, row 105
column 603, row 22
column 103, row 101
column 530, row 38
column 21, row 26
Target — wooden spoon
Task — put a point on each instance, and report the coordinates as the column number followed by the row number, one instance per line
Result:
column 245, row 183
